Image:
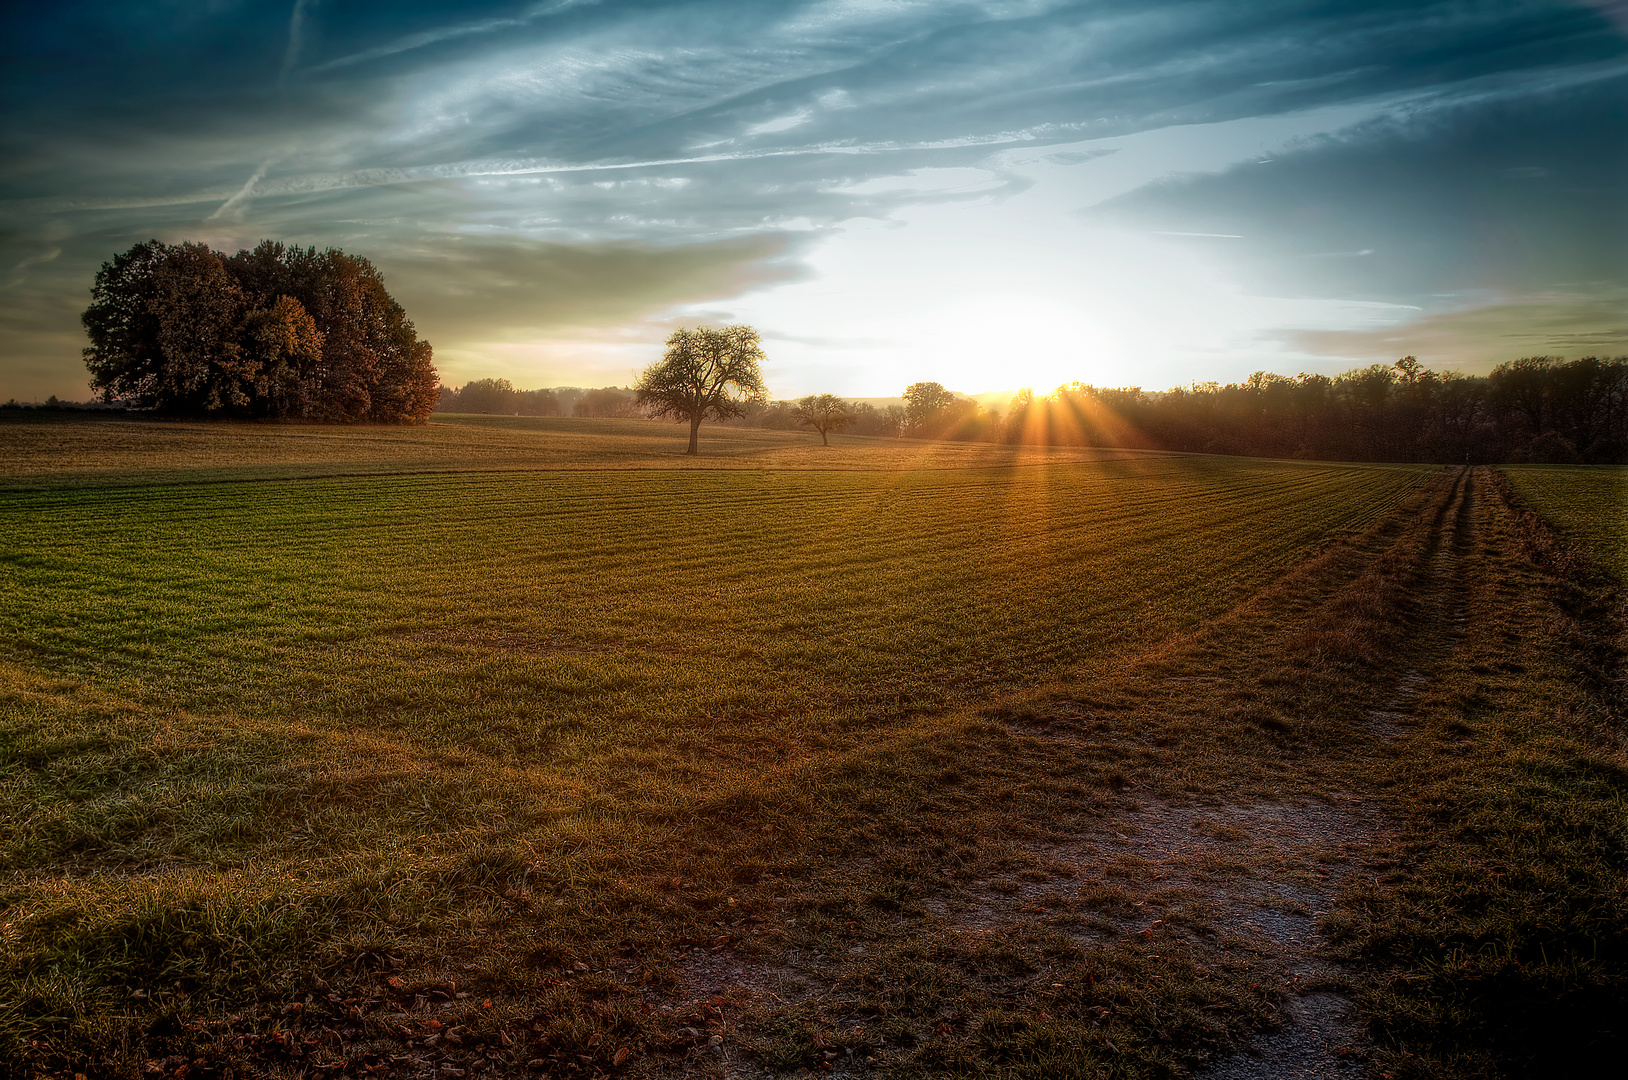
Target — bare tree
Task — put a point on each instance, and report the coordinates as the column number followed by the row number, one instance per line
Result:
column 705, row 373
column 823, row 413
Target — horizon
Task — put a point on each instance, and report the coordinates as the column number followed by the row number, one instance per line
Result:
column 1012, row 192
column 985, row 399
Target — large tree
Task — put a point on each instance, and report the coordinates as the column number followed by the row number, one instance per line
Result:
column 823, row 413
column 165, row 326
column 925, row 406
column 705, row 374
column 277, row 333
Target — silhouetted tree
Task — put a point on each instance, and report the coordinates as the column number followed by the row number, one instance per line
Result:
column 1533, row 409
column 823, row 413
column 705, row 373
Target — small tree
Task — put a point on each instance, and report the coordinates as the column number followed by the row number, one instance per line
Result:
column 823, row 413
column 705, row 373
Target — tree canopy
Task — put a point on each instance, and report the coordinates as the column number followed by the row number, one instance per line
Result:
column 931, row 411
column 490, row 396
column 277, row 332
column 705, row 374
column 823, row 413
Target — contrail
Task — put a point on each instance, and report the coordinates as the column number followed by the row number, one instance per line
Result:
column 248, row 186
column 32, row 260
column 296, row 38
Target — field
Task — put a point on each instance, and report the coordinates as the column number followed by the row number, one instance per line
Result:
column 46, row 450
column 1589, row 504
column 531, row 747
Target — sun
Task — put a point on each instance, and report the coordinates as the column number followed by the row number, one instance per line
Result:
column 1005, row 342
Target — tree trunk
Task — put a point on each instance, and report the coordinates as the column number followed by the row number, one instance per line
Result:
column 695, row 435
column 823, row 440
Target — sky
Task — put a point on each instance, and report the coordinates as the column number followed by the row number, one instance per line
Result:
column 988, row 194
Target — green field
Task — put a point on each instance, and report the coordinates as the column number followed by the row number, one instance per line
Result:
column 583, row 607
column 651, row 633
column 53, row 450
column 361, row 722
column 1589, row 504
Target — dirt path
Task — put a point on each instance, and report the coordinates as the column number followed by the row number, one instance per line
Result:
column 1322, row 1034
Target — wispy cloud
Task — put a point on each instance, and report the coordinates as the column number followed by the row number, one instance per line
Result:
column 296, row 38
column 425, row 38
column 1440, row 147
column 313, row 183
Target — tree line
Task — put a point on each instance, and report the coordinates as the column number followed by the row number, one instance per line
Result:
column 274, row 333
column 498, row 397
column 1540, row 409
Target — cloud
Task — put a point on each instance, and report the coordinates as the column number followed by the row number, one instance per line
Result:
column 779, row 124
column 575, row 125
column 1489, row 194
column 494, row 288
column 1477, row 339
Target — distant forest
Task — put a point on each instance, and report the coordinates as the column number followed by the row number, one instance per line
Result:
column 497, row 397
column 1538, row 409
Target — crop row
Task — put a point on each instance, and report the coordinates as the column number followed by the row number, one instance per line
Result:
column 502, row 613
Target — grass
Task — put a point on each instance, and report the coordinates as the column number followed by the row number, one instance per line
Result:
column 1495, row 938
column 552, row 616
column 1589, row 505
column 41, row 450
column 484, row 766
